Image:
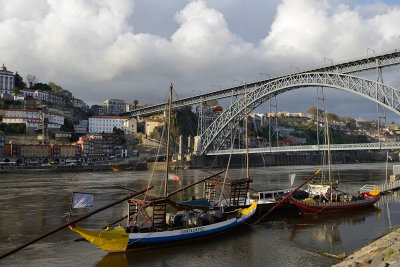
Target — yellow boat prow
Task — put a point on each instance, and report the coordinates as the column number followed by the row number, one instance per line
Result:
column 374, row 192
column 111, row 239
column 249, row 209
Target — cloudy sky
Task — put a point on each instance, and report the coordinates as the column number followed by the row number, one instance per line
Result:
column 133, row 49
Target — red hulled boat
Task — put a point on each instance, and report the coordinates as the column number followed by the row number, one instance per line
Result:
column 312, row 206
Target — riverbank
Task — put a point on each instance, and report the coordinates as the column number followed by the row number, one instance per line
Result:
column 385, row 251
column 130, row 165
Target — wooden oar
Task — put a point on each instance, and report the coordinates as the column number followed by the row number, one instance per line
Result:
column 74, row 221
column 288, row 195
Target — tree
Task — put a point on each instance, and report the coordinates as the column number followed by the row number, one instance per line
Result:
column 313, row 112
column 333, row 117
column 41, row 86
column 19, row 82
column 135, row 103
column 350, row 122
column 32, row 80
column 55, row 88
column 16, row 91
column 211, row 103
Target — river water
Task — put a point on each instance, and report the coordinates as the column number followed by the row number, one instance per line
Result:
column 33, row 203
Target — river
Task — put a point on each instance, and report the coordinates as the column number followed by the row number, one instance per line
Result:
column 33, row 203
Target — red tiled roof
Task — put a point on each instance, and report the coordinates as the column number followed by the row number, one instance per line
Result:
column 110, row 117
column 26, row 110
column 26, row 118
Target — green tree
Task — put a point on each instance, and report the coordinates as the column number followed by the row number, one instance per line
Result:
column 313, row 112
column 55, row 88
column 333, row 117
column 156, row 133
column 135, row 103
column 350, row 122
column 184, row 122
column 68, row 126
column 19, row 82
column 16, row 91
column 41, row 86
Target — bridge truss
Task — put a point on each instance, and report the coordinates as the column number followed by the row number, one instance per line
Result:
column 216, row 134
column 351, row 66
column 329, row 76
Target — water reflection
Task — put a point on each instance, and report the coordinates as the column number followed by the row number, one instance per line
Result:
column 233, row 247
column 323, row 232
column 32, row 204
column 114, row 259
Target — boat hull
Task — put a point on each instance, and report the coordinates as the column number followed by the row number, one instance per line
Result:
column 116, row 239
column 307, row 207
column 140, row 240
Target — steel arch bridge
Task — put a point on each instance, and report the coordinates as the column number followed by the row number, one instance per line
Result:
column 215, row 135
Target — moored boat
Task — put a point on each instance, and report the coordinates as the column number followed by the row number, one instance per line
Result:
column 120, row 239
column 312, row 206
column 149, row 224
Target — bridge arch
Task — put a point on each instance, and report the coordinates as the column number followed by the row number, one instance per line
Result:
column 214, row 136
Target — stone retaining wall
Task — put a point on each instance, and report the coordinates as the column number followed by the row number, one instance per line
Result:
column 384, row 251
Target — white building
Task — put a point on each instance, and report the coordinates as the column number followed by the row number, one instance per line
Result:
column 81, row 127
column 6, row 81
column 129, row 107
column 43, row 96
column 130, row 126
column 12, row 116
column 78, row 103
column 30, row 122
column 106, row 124
column 151, row 124
column 259, row 119
column 114, row 106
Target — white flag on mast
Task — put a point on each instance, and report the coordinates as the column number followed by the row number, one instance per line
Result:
column 82, row 200
column 291, row 178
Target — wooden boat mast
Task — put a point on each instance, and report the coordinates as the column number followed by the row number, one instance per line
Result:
column 329, row 152
column 168, row 141
column 247, row 138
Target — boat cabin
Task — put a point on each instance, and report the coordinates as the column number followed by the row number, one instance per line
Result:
column 272, row 196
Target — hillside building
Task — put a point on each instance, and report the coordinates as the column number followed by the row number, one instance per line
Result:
column 114, row 106
column 6, row 81
column 106, row 124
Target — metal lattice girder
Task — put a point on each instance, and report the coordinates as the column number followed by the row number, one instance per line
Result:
column 362, row 64
column 351, row 66
column 305, row 148
column 216, row 134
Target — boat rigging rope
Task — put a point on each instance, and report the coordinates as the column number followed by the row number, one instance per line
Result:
column 227, row 168
column 259, row 145
column 154, row 165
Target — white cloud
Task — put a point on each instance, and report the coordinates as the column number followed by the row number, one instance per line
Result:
column 92, row 48
column 310, row 30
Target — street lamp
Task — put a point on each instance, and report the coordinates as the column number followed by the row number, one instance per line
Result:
column 371, row 50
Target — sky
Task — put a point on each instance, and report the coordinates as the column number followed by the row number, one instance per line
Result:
column 127, row 49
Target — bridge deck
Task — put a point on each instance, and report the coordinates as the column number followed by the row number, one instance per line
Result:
column 305, row 148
